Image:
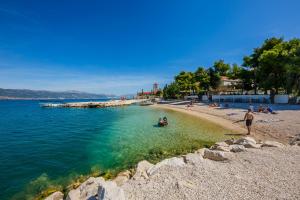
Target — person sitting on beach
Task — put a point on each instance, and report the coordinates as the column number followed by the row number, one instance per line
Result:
column 249, row 118
column 269, row 110
column 213, row 105
column 260, row 108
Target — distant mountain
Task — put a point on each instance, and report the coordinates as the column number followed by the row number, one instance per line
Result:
column 43, row 94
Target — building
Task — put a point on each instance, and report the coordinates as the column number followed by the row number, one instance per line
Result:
column 148, row 94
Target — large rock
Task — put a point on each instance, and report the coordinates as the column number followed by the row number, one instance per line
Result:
column 229, row 141
column 110, row 191
column 173, row 162
column 272, row 144
column 122, row 177
column 193, row 158
column 295, row 140
column 56, row 196
column 141, row 170
column 220, row 146
column 87, row 190
column 237, row 148
column 247, row 142
column 214, row 155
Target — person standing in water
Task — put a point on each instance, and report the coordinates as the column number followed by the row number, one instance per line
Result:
column 249, row 118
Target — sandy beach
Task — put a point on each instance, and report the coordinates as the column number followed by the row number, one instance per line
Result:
column 280, row 127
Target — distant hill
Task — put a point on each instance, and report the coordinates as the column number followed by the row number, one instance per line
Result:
column 43, row 94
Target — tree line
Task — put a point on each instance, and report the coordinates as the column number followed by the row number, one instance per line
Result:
column 274, row 66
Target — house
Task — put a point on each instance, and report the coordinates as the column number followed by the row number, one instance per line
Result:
column 148, row 94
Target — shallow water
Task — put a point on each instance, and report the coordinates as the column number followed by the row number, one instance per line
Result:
column 50, row 144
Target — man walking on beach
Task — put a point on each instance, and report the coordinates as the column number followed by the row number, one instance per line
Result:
column 249, row 118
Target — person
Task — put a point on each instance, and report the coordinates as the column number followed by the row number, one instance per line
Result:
column 249, row 118
column 251, row 107
column 260, row 108
column 165, row 120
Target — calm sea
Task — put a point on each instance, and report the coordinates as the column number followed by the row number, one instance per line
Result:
column 42, row 146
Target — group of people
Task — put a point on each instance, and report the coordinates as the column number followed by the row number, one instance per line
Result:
column 163, row 121
column 262, row 109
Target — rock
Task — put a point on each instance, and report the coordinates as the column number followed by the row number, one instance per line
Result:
column 224, row 144
column 141, row 170
column 214, row 155
column 173, row 162
column 200, row 151
column 247, row 142
column 122, row 177
column 229, row 142
column 272, row 144
column 295, row 140
column 56, row 196
column 87, row 190
column 193, row 158
column 110, row 191
column 219, row 148
column 237, row 148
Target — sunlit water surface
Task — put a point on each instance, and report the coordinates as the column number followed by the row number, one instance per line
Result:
column 40, row 145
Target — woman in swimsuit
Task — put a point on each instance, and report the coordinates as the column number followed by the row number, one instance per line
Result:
column 249, row 118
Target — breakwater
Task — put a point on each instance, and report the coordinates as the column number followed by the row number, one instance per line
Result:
column 100, row 104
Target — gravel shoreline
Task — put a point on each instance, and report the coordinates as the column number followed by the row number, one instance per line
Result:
column 233, row 169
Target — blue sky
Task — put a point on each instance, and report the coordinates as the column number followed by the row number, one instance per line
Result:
column 120, row 47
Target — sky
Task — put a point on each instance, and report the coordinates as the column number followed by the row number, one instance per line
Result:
column 120, row 47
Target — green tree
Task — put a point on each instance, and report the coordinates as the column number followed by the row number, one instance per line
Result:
column 221, row 67
column 186, row 82
column 202, row 78
column 171, row 91
column 254, row 63
column 293, row 67
column 234, row 72
column 273, row 64
column 214, row 78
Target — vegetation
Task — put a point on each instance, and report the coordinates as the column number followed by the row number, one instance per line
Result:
column 274, row 66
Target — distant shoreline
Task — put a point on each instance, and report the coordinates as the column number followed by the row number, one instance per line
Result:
column 18, row 98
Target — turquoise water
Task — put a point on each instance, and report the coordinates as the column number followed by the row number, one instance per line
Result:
column 42, row 145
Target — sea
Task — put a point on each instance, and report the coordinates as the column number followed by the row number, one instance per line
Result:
column 50, row 147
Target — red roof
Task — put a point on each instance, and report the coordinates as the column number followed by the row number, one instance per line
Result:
column 146, row 93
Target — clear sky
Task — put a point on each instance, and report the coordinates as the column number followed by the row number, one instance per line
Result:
column 122, row 46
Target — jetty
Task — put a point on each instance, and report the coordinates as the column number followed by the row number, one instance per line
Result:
column 94, row 104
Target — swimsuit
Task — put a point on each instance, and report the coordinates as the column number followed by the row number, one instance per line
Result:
column 248, row 122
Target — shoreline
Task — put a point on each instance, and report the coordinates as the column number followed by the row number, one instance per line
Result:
column 280, row 127
column 243, row 167
column 204, row 116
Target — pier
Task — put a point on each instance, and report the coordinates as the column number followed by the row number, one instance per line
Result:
column 101, row 104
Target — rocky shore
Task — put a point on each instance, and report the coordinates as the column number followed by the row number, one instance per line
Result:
column 95, row 104
column 232, row 169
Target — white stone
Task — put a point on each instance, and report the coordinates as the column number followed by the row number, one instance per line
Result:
column 214, row 155
column 247, row 142
column 220, row 148
column 272, row 144
column 55, row 196
column 87, row 190
column 229, row 141
column 224, row 144
column 193, row 158
column 237, row 148
column 141, row 170
column 122, row 177
column 110, row 191
column 173, row 162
